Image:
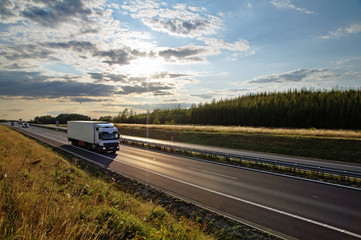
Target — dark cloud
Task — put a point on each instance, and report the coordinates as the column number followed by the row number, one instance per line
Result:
column 37, row 85
column 87, row 30
column 5, row 10
column 29, row 51
column 56, row 12
column 108, row 77
column 161, row 75
column 118, row 56
column 15, row 110
column 157, row 88
column 48, row 50
column 78, row 46
column 186, row 54
column 86, row 99
column 178, row 27
column 121, row 56
column 16, row 66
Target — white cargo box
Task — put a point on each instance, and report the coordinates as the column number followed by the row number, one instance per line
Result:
column 83, row 130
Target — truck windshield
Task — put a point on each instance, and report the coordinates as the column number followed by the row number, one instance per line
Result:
column 109, row 135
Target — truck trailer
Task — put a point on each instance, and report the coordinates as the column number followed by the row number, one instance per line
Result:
column 94, row 135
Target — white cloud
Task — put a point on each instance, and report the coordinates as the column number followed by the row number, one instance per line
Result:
column 349, row 61
column 298, row 75
column 241, row 45
column 99, row 49
column 286, row 4
column 181, row 20
column 343, row 31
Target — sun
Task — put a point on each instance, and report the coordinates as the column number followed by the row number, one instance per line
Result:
column 146, row 67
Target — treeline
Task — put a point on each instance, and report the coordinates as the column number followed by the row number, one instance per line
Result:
column 61, row 118
column 157, row 116
column 335, row 109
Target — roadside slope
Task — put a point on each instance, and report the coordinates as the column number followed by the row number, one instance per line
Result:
column 44, row 196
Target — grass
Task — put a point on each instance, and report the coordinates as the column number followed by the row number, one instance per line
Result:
column 43, row 196
column 338, row 145
column 312, row 132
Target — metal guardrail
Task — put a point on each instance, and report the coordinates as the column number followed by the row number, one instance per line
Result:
column 64, row 129
column 299, row 166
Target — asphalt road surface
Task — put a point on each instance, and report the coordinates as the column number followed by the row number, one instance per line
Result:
column 299, row 160
column 285, row 206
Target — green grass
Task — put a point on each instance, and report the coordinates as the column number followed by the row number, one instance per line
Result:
column 43, row 196
column 338, row 145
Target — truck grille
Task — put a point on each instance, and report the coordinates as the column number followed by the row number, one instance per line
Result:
column 111, row 144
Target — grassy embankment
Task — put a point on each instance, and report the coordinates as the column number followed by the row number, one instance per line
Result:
column 338, row 145
column 43, row 196
column 49, row 195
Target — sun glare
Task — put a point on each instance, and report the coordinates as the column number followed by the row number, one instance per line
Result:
column 146, row 67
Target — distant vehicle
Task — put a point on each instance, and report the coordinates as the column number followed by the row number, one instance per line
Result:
column 20, row 121
column 12, row 123
column 25, row 125
column 94, row 135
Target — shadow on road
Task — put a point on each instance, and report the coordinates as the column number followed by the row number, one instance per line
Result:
column 104, row 159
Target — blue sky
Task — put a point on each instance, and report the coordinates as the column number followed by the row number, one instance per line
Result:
column 98, row 57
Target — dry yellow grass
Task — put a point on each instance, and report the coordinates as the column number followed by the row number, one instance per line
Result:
column 345, row 134
column 42, row 196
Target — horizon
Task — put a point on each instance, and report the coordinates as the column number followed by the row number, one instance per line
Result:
column 130, row 110
column 97, row 58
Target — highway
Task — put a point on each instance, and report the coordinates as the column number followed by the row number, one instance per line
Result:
column 276, row 157
column 285, row 206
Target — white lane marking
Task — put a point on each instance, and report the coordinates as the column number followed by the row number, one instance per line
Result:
column 218, row 193
column 214, row 173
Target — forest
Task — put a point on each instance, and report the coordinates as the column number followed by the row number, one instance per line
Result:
column 306, row 108
column 334, row 109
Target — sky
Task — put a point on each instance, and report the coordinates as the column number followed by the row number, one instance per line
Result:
column 98, row 57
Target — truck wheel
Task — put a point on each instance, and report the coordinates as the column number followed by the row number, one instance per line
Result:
column 89, row 147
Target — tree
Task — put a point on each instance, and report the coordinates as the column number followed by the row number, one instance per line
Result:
column 44, row 120
column 106, row 118
column 64, row 117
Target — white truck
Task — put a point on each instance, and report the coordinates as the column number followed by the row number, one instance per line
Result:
column 94, row 135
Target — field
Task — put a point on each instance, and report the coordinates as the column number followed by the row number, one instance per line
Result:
column 338, row 145
column 44, row 196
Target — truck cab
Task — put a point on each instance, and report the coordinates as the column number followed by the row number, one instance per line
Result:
column 106, row 137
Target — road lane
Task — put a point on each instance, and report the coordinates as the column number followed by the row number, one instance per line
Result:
column 290, row 195
column 294, row 207
column 277, row 157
